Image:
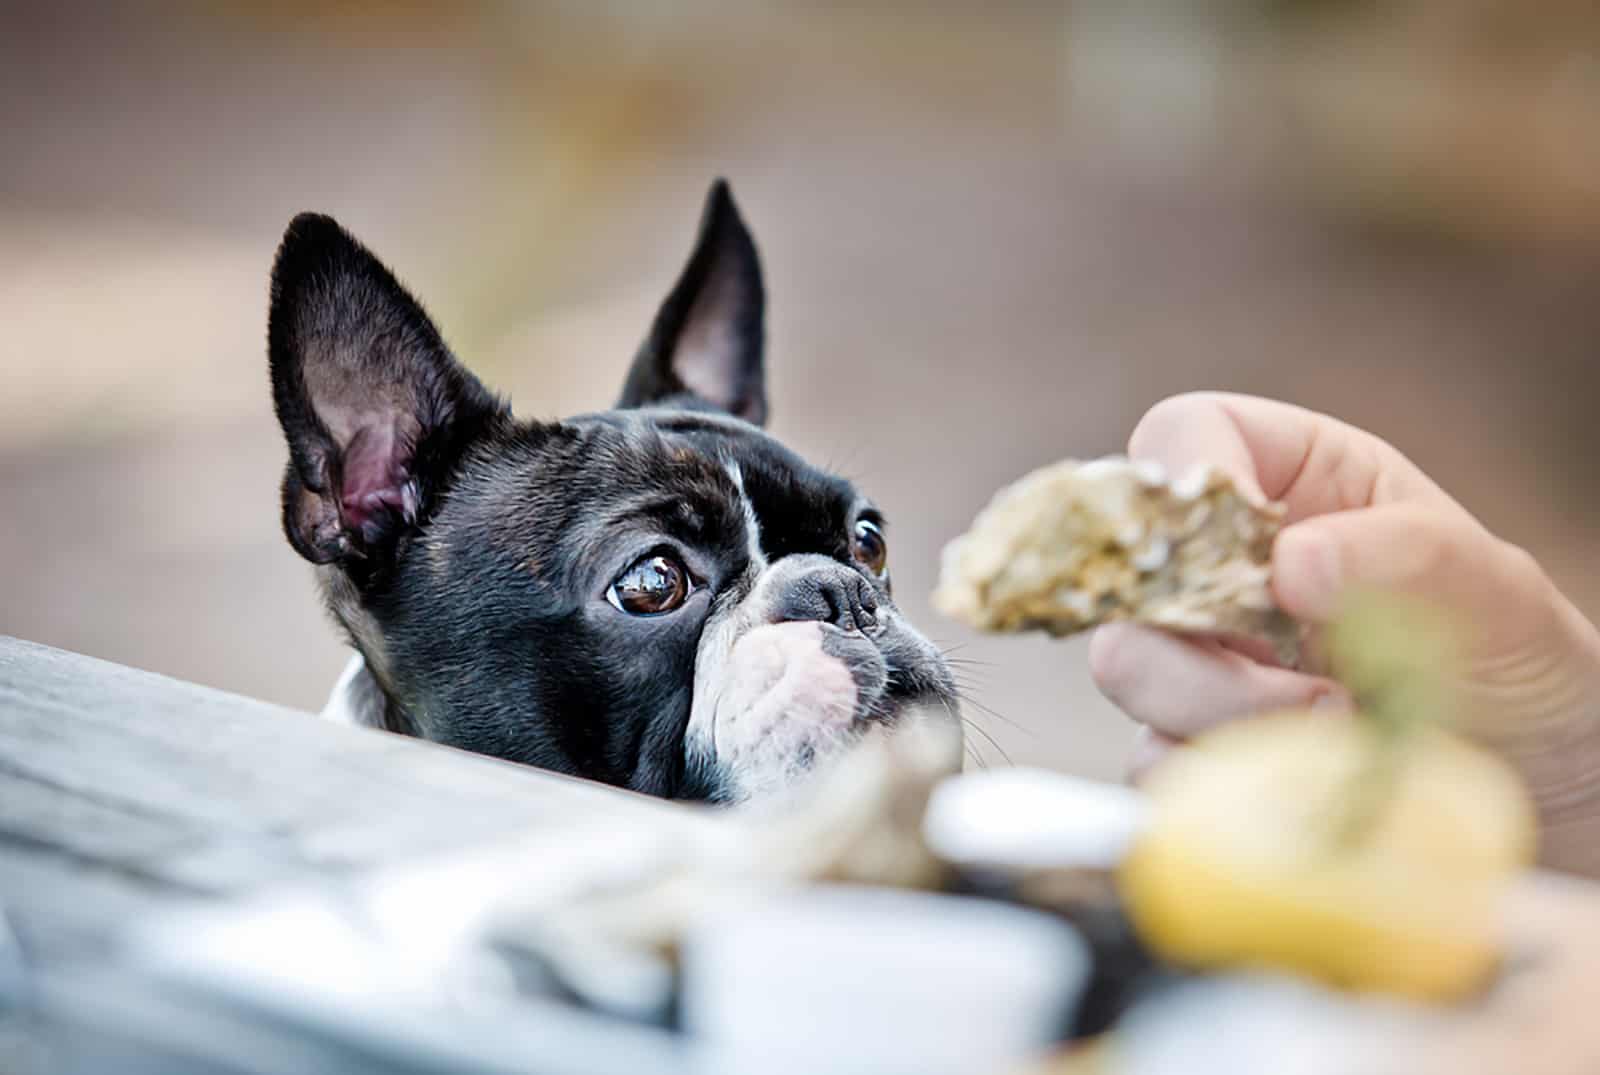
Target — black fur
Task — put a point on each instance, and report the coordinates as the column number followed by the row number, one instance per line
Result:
column 473, row 575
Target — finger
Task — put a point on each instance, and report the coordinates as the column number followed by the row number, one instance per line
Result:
column 1184, row 431
column 1258, row 650
column 1180, row 687
column 1150, row 747
column 1410, row 549
column 1313, row 463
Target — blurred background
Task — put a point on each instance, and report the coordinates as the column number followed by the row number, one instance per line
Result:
column 993, row 235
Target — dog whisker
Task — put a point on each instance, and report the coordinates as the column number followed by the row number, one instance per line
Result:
column 988, row 738
column 969, row 662
column 1002, row 718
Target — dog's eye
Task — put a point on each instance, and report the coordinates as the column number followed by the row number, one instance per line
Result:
column 653, row 585
column 869, row 547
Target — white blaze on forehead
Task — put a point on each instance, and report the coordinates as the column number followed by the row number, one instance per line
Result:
column 752, row 525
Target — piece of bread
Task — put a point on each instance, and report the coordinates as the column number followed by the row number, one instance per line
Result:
column 1077, row 544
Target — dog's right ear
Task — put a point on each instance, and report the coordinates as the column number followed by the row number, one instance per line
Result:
column 375, row 408
column 706, row 344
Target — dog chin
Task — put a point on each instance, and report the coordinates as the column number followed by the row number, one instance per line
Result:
column 791, row 695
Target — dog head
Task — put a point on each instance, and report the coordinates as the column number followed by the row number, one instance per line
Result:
column 659, row 596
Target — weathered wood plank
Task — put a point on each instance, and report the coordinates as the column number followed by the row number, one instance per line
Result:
column 122, row 791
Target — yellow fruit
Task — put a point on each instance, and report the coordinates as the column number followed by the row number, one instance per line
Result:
column 1243, row 862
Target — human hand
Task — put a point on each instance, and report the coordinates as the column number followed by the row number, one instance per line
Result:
column 1361, row 516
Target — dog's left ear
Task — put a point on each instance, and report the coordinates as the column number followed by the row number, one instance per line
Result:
column 707, row 341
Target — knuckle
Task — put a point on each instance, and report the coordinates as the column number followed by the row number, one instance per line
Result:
column 1436, row 548
column 1521, row 568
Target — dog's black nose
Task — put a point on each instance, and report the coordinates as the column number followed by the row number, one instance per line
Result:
column 830, row 593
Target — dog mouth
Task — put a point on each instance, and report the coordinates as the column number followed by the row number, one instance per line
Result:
column 794, row 693
column 836, row 678
column 888, row 679
column 803, row 671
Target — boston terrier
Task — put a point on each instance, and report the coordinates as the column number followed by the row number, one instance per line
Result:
column 659, row 596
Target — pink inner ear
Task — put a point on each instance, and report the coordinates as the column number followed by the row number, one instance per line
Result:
column 373, row 476
column 708, row 358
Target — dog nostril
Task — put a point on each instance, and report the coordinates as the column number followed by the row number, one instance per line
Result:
column 835, row 595
column 866, row 607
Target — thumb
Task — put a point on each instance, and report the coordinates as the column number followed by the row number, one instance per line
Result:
column 1444, row 557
